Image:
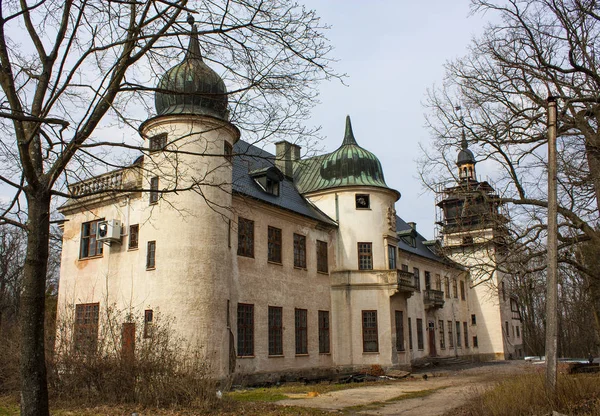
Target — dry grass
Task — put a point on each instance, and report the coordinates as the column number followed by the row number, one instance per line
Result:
column 9, row 407
column 526, row 395
column 292, row 390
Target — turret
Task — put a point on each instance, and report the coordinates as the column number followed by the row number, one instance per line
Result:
column 189, row 168
column 466, row 162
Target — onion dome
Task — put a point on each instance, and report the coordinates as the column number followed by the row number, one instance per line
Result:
column 192, row 87
column 465, row 156
column 351, row 165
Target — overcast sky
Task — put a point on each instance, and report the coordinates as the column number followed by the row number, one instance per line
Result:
column 392, row 52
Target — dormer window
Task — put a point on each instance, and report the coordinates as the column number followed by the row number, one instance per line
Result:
column 158, row 142
column 363, row 201
column 268, row 179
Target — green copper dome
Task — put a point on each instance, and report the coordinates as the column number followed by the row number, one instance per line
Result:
column 192, row 87
column 349, row 165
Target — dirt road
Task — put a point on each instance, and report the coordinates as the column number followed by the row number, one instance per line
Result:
column 444, row 390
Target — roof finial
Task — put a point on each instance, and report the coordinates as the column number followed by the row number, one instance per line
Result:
column 193, row 51
column 463, row 142
column 349, row 135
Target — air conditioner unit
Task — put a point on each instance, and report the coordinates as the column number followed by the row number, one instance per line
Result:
column 109, row 230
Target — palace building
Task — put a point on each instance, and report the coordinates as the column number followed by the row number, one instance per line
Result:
column 274, row 264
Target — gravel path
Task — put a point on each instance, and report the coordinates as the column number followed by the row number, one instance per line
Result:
column 452, row 387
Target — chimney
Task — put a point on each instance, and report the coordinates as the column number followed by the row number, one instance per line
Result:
column 412, row 225
column 286, row 154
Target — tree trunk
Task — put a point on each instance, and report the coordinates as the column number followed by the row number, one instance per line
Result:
column 34, row 388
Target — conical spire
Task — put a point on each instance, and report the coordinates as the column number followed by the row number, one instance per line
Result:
column 193, row 51
column 463, row 143
column 349, row 135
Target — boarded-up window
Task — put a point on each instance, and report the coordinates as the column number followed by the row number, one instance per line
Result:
column 128, row 341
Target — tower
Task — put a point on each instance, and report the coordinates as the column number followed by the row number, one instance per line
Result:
column 473, row 230
column 189, row 173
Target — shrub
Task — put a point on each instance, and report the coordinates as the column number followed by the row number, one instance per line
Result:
column 526, row 395
column 157, row 370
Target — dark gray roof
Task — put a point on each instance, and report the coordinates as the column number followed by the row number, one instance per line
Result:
column 249, row 158
column 403, row 229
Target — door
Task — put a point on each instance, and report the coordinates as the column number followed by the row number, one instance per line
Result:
column 431, row 335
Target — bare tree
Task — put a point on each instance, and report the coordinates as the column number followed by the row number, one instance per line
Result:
column 533, row 49
column 77, row 77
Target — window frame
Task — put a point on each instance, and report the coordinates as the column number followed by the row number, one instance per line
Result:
column 245, row 330
column 324, row 333
column 157, row 142
column 399, row 327
column 455, row 288
column 370, row 331
column 420, row 335
column 466, row 334
column 322, row 257
column 458, row 336
column 367, row 198
column 392, row 259
column 227, row 151
column 450, row 334
column 133, row 243
column 154, row 195
column 85, row 328
column 366, row 255
column 245, row 237
column 151, row 255
column 417, row 278
column 410, row 337
column 462, row 290
column 447, row 287
column 442, row 334
column 274, row 245
column 88, row 240
column 148, row 323
column 299, row 251
column 275, row 321
column 301, row 331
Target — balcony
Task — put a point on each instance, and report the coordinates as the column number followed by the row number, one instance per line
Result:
column 119, row 180
column 433, row 299
column 406, row 281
